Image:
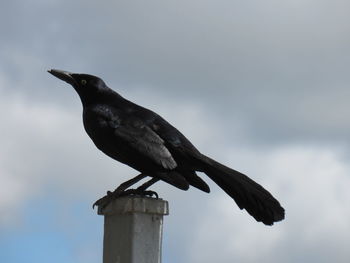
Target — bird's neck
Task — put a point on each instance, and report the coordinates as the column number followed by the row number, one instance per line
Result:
column 111, row 97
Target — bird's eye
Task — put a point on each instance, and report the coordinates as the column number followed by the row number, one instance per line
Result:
column 83, row 82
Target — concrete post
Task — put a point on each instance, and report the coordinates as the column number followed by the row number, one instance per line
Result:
column 133, row 230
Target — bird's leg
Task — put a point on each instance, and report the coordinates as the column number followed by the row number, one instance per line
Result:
column 141, row 190
column 121, row 188
column 148, row 184
column 104, row 201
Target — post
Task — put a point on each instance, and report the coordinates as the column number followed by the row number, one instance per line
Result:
column 133, row 229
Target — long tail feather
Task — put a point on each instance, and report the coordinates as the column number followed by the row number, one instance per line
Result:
column 248, row 194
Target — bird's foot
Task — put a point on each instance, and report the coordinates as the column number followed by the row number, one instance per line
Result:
column 104, row 201
column 110, row 196
column 140, row 192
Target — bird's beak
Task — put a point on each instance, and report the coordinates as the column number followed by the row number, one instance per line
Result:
column 63, row 75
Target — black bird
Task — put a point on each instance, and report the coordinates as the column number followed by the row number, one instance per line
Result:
column 142, row 139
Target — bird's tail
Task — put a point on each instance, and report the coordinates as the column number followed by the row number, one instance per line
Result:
column 247, row 194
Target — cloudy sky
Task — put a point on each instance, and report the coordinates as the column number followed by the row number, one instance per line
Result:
column 262, row 86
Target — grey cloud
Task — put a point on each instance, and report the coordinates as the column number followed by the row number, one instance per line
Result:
column 235, row 77
column 316, row 223
column 281, row 69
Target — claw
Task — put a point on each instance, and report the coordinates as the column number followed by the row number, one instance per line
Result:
column 151, row 193
column 139, row 192
column 102, row 202
column 110, row 196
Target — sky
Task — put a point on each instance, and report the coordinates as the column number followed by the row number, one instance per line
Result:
column 261, row 86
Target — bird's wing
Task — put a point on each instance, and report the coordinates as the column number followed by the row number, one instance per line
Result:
column 145, row 141
column 129, row 131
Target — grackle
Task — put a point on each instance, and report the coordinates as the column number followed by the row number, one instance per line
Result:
column 142, row 139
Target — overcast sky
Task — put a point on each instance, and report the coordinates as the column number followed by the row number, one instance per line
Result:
column 262, row 86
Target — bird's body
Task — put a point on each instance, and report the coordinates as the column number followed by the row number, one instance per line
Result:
column 139, row 138
column 142, row 139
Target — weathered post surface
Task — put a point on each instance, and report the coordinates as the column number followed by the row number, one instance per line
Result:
column 133, row 229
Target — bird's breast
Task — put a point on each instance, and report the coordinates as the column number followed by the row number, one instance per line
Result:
column 99, row 123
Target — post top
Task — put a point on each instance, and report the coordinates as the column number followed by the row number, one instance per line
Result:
column 135, row 204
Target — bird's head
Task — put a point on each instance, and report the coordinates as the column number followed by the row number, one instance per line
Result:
column 87, row 86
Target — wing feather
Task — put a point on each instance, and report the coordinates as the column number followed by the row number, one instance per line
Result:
column 133, row 132
column 147, row 142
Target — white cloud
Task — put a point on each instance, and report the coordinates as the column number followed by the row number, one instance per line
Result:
column 227, row 74
column 45, row 148
column 311, row 183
